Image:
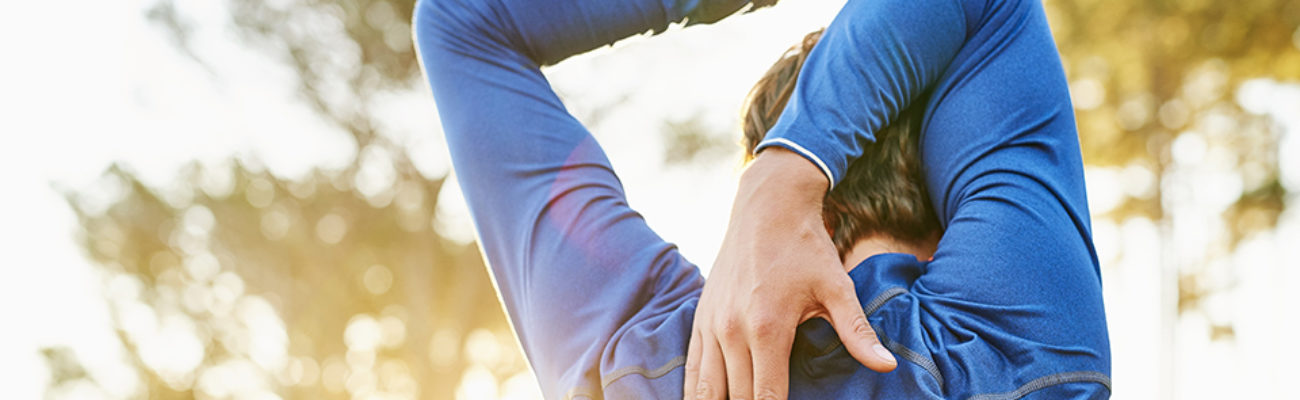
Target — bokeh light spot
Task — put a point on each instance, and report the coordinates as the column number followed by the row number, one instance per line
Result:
column 331, row 228
column 477, row 383
column 1087, row 93
column 362, row 333
column 260, row 193
column 334, row 374
column 377, row 279
column 275, row 224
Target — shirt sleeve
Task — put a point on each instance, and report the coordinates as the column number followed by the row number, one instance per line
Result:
column 1003, row 165
column 600, row 303
column 873, row 60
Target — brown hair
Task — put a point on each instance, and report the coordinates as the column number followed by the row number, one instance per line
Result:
column 883, row 192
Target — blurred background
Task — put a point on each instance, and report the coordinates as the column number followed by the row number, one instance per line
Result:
column 252, row 198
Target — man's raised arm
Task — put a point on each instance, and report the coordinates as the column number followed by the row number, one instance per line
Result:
column 599, row 302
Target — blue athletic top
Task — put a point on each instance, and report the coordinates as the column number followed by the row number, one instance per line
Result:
column 1010, row 306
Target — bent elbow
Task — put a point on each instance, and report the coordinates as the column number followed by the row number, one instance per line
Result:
column 432, row 24
column 450, row 25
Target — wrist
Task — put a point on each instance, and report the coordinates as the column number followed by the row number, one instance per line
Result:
column 785, row 177
column 793, row 172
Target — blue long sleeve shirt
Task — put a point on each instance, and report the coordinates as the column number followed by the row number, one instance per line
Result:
column 1010, row 306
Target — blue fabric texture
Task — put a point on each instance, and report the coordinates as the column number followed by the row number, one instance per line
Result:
column 1010, row 307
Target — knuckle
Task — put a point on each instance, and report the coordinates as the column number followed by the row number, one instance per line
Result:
column 766, row 394
column 732, row 329
column 861, row 327
column 765, row 327
column 705, row 391
column 845, row 290
column 837, row 286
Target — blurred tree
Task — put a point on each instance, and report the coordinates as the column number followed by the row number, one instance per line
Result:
column 307, row 288
column 344, row 53
column 1155, row 79
column 65, row 370
column 234, row 281
column 690, row 140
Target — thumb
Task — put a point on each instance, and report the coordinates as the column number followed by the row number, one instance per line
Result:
column 851, row 325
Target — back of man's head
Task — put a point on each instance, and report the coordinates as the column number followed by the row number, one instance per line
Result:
column 883, row 192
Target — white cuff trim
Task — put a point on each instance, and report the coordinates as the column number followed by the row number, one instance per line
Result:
column 807, row 154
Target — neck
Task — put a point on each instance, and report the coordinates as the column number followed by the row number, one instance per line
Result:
column 880, row 244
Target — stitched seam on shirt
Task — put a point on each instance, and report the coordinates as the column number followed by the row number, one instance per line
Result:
column 903, row 351
column 1045, row 382
column 796, row 147
column 910, row 355
column 889, row 294
column 896, row 347
column 648, row 374
column 871, row 308
column 916, row 358
column 575, row 393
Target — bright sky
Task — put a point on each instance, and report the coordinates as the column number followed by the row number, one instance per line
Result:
column 88, row 88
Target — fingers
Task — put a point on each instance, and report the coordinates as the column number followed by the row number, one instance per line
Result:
column 771, row 353
column 693, row 356
column 712, row 383
column 740, row 373
column 857, row 335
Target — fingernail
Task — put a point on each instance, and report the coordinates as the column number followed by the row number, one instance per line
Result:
column 884, row 353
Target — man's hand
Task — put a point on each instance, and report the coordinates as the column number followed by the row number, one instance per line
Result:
column 777, row 268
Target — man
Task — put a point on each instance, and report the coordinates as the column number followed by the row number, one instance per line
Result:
column 603, row 306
